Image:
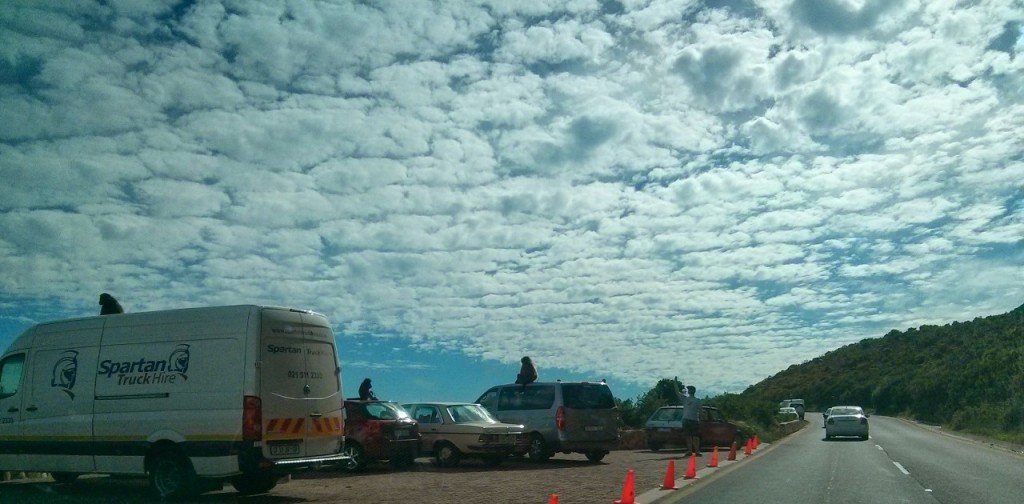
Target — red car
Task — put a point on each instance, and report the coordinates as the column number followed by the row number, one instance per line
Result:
column 665, row 427
column 379, row 431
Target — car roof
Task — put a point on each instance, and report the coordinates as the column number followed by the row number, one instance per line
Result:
column 440, row 403
column 594, row 382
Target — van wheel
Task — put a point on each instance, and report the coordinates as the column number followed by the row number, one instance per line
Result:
column 596, row 456
column 254, row 482
column 538, row 449
column 171, row 476
column 64, row 477
column 357, row 457
column 653, row 446
column 447, row 455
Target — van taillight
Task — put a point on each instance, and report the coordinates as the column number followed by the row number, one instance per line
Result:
column 560, row 418
column 252, row 419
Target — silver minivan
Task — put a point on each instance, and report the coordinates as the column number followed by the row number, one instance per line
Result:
column 565, row 417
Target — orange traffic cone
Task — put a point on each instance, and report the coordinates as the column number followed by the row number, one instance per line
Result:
column 732, row 452
column 756, row 441
column 714, row 457
column 628, row 491
column 670, row 476
column 554, row 499
column 691, row 471
column 750, row 447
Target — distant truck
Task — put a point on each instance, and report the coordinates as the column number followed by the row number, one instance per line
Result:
column 190, row 397
column 797, row 404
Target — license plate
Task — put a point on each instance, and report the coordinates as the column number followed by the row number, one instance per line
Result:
column 284, row 449
column 665, row 429
column 594, row 428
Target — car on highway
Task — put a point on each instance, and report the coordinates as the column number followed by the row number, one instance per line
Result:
column 665, row 428
column 378, row 431
column 565, row 417
column 797, row 404
column 788, row 413
column 452, row 431
column 845, row 421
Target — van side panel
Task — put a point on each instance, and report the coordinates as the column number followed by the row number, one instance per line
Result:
column 171, row 376
column 57, row 406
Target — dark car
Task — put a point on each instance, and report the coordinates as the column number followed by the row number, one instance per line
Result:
column 665, row 428
column 379, row 431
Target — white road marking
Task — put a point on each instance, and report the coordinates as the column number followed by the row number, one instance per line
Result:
column 901, row 468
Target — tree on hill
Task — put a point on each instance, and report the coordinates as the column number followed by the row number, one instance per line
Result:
column 968, row 375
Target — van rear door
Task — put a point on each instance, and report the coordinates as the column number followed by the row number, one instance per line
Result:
column 590, row 412
column 300, row 385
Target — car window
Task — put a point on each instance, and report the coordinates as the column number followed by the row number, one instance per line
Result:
column 426, row 415
column 532, row 398
column 10, row 374
column 587, row 396
column 489, row 399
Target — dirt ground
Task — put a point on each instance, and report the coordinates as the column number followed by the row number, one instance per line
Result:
column 572, row 477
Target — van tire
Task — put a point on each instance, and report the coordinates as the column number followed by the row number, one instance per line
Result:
column 447, row 455
column 64, row 477
column 254, row 482
column 538, row 449
column 171, row 476
column 596, row 456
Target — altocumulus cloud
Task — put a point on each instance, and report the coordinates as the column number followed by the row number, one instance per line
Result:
column 632, row 189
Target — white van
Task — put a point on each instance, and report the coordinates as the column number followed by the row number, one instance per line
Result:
column 189, row 397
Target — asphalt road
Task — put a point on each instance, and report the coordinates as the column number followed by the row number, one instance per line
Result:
column 902, row 463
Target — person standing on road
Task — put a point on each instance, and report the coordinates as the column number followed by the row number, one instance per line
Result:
column 691, row 420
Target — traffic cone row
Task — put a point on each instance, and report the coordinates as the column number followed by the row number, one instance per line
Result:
column 629, row 490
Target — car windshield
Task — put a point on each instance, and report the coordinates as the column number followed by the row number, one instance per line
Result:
column 465, row 413
column 385, row 411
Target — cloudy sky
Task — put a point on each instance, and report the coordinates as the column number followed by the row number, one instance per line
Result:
column 629, row 189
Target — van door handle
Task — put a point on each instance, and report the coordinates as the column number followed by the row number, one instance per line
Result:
column 316, row 415
column 12, row 409
column 31, row 408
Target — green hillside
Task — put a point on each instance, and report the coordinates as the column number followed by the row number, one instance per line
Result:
column 967, row 375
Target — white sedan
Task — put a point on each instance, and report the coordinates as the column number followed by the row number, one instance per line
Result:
column 846, row 421
column 451, row 430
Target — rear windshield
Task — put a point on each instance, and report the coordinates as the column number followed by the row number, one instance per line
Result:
column 668, row 415
column 384, row 411
column 587, row 396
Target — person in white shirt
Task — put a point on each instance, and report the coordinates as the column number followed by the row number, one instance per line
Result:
column 691, row 420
